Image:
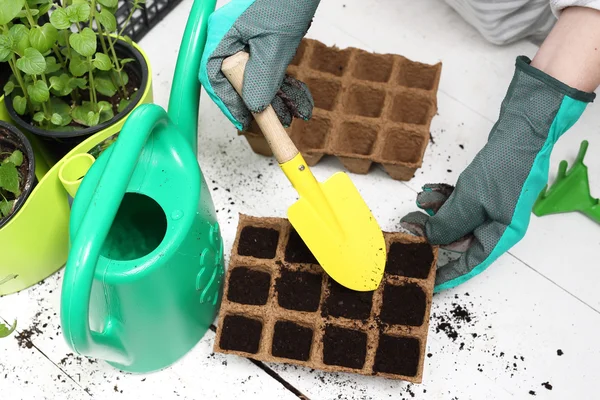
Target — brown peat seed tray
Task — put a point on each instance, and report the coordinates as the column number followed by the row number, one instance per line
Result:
column 280, row 306
column 368, row 108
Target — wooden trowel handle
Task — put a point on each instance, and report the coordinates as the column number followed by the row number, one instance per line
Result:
column 282, row 146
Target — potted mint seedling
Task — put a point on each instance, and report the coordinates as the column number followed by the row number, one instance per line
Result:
column 73, row 73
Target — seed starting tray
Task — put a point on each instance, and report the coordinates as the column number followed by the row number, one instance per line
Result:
column 280, row 306
column 368, row 108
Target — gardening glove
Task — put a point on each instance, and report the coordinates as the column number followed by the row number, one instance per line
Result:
column 488, row 211
column 270, row 31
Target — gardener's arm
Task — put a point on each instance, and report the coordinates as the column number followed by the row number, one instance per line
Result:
column 488, row 211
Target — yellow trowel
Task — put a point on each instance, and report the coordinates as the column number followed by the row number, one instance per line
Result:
column 331, row 217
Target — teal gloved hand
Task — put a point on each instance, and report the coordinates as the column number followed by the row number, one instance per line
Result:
column 270, row 31
column 489, row 210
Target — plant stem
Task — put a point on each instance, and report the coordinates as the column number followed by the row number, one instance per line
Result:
column 46, row 105
column 93, row 96
column 29, row 16
column 133, row 8
column 59, row 56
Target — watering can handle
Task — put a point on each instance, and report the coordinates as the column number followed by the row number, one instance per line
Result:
column 92, row 232
column 283, row 148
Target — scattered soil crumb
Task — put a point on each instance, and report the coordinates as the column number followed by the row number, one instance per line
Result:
column 547, row 385
column 559, row 352
column 531, row 392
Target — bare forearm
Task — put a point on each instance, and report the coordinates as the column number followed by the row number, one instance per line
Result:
column 571, row 52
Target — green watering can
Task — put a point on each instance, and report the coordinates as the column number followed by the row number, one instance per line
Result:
column 143, row 280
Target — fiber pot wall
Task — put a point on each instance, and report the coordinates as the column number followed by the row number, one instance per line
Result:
column 58, row 144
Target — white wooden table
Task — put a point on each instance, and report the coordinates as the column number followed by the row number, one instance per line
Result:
column 539, row 300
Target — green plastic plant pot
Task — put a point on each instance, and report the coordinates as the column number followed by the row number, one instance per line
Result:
column 57, row 143
column 143, row 280
column 35, row 242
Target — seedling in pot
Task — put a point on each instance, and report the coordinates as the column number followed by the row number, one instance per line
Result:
column 65, row 76
column 10, row 181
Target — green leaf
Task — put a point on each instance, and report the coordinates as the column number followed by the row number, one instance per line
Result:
column 109, row 3
column 127, row 60
column 84, row 42
column 78, row 65
column 32, row 11
column 104, row 85
column 107, row 20
column 80, row 83
column 6, row 45
column 106, row 111
column 39, row 117
column 102, row 62
column 38, row 92
column 123, row 104
column 20, row 36
column 9, row 87
column 9, row 178
column 9, row 9
column 59, row 19
column 85, row 115
column 5, row 330
column 6, row 207
column 51, row 65
column 128, row 40
column 78, row 12
column 59, row 107
column 19, row 104
column 60, row 85
column 32, row 62
column 45, row 8
column 56, row 119
column 63, row 39
column 16, row 158
column 124, row 79
column 43, row 37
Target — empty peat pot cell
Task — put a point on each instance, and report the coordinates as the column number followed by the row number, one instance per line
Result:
column 329, row 59
column 354, row 138
column 344, row 347
column 312, row 134
column 411, row 108
column 324, row 91
column 248, row 286
column 241, row 334
column 402, row 146
column 397, row 355
column 403, row 304
column 258, row 242
column 373, row 67
column 364, row 101
column 291, row 341
column 296, row 250
column 416, row 75
column 299, row 290
column 412, row 260
column 344, row 302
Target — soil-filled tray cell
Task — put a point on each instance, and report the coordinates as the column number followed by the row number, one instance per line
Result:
column 416, row 75
column 401, row 145
column 324, row 91
column 403, row 305
column 343, row 302
column 354, row 138
column 241, row 334
column 329, row 59
column 373, row 67
column 312, row 134
column 296, row 250
column 364, row 101
column 258, row 242
column 412, row 260
column 411, row 108
column 249, row 286
column 344, row 347
column 397, row 355
column 298, row 290
column 292, row 341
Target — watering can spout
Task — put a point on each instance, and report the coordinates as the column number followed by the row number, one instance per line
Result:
column 185, row 92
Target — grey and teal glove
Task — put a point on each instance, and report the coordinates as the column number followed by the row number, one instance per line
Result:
column 488, row 211
column 270, row 31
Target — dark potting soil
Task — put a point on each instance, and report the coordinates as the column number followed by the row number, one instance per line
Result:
column 343, row 302
column 403, row 305
column 241, row 334
column 292, row 341
column 397, row 355
column 248, row 286
column 300, row 291
column 258, row 242
column 412, row 260
column 297, row 252
column 344, row 347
